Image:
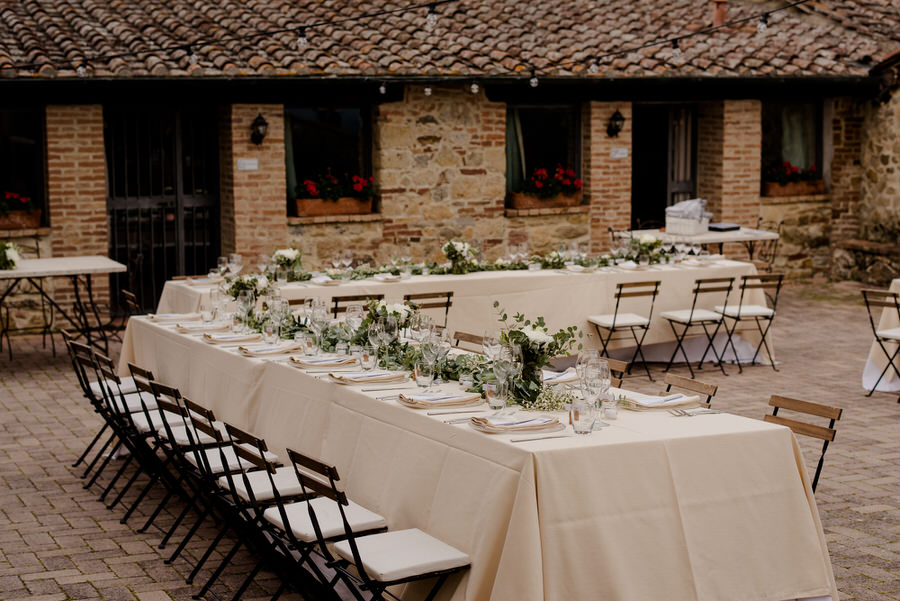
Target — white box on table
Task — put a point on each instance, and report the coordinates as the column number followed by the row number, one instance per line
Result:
column 686, row 227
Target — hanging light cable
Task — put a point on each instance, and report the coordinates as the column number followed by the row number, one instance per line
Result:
column 302, row 40
column 676, row 49
column 431, row 20
column 763, row 24
column 193, row 58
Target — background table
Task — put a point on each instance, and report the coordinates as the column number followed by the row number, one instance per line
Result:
column 653, row 507
column 746, row 236
column 563, row 298
column 84, row 316
column 876, row 361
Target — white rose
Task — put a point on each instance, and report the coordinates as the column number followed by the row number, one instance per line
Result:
column 13, row 255
column 647, row 239
column 262, row 283
column 400, row 309
column 537, row 336
column 289, row 254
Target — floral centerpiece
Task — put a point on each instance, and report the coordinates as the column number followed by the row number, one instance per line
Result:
column 288, row 258
column 561, row 187
column 344, row 195
column 257, row 285
column 786, row 179
column 18, row 211
column 461, row 256
column 646, row 246
column 9, row 256
column 537, row 346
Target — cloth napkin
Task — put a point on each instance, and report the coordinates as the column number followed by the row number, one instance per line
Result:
column 222, row 338
column 580, row 268
column 207, row 281
column 563, row 377
column 500, row 425
column 425, row 401
column 628, row 265
column 189, row 328
column 324, row 280
column 170, row 317
column 672, row 400
column 368, row 377
column 265, row 351
column 322, row 361
column 386, row 277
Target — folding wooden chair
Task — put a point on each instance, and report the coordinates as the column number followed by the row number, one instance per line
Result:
column 761, row 315
column 826, row 435
column 471, row 339
column 339, row 303
column 637, row 325
column 431, row 300
column 296, row 302
column 691, row 385
column 697, row 317
column 882, row 302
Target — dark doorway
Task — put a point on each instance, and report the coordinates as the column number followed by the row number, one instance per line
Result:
column 162, row 200
column 664, row 162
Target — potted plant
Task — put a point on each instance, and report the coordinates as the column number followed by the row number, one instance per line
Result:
column 18, row 211
column 788, row 180
column 330, row 195
column 541, row 190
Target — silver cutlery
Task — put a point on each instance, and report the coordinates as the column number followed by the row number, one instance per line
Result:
column 458, row 420
column 451, row 412
column 389, row 388
column 541, row 437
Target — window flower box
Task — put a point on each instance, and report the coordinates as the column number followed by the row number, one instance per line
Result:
column 19, row 220
column 344, row 205
column 802, row 188
column 523, row 200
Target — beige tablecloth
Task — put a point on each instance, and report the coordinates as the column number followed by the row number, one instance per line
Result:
column 653, row 507
column 877, row 360
column 562, row 298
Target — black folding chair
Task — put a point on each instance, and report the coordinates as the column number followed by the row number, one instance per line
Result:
column 763, row 252
column 339, row 303
column 695, row 317
column 762, row 315
column 883, row 302
column 636, row 325
column 431, row 300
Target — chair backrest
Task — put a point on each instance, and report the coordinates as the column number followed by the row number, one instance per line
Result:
column 644, row 289
column 691, row 385
column 825, row 434
column 711, row 286
column 251, row 450
column 130, row 303
column 769, row 283
column 168, row 401
column 767, row 250
column 294, row 302
column 339, row 303
column 188, row 277
column 617, row 368
column 431, row 300
column 472, row 339
column 877, row 302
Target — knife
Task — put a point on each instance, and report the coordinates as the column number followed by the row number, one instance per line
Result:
column 541, row 437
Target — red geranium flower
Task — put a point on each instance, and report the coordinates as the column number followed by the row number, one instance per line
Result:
column 577, row 183
column 538, row 185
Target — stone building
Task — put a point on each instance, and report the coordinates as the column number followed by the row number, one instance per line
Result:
column 131, row 123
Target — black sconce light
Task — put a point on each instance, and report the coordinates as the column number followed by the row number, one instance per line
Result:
column 615, row 124
column 258, row 129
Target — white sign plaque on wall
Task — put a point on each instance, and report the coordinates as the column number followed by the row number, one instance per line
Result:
column 248, row 164
column 618, row 153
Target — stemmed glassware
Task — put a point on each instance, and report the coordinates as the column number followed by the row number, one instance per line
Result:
column 354, row 317
column 235, row 263
column 387, row 333
column 374, row 335
column 318, row 321
column 347, row 258
column 490, row 344
column 245, row 303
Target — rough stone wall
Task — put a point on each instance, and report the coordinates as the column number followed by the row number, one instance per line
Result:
column 880, row 165
column 24, row 304
column 608, row 172
column 846, row 169
column 804, row 249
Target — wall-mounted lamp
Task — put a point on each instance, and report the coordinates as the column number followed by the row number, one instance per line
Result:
column 258, row 129
column 615, row 124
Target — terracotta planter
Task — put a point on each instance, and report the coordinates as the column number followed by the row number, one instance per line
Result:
column 346, row 205
column 521, row 200
column 810, row 188
column 20, row 220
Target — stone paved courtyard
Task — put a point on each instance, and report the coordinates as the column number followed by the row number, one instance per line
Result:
column 57, row 542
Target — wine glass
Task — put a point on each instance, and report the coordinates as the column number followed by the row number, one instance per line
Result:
column 347, row 258
column 387, row 333
column 373, row 333
column 490, row 344
column 318, row 321
column 222, row 264
column 354, row 317
column 585, row 358
column 235, row 263
column 336, row 260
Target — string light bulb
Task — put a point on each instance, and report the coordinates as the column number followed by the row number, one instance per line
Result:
column 676, row 49
column 193, row 58
column 474, row 88
column 763, row 24
column 302, row 40
column 594, row 68
column 382, row 89
column 533, row 82
column 82, row 69
column 431, row 20
column 428, row 90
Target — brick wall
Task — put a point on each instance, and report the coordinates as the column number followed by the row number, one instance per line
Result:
column 253, row 201
column 710, row 146
column 846, row 172
column 609, row 178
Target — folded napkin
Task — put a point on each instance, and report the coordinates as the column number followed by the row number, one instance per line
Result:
column 170, row 317
column 207, row 281
column 193, row 328
column 628, row 265
column 580, row 268
column 368, row 377
column 500, row 425
column 563, row 377
column 386, row 277
column 322, row 361
column 265, row 351
column 222, row 338
column 324, row 280
column 426, row 401
column 672, row 400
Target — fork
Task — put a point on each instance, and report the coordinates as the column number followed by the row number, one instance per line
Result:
column 679, row 413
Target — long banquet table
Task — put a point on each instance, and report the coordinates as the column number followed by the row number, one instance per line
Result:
column 653, row 507
column 563, row 298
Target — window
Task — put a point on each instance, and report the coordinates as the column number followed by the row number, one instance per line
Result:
column 22, row 153
column 541, row 137
column 326, row 140
column 791, row 132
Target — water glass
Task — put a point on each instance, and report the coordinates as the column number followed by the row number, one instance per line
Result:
column 493, row 394
column 207, row 312
column 423, row 374
column 583, row 416
column 307, row 342
column 610, row 408
column 281, row 276
column 271, row 331
column 355, row 351
column 367, row 358
column 341, row 348
column 466, row 379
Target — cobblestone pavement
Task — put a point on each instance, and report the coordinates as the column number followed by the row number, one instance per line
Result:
column 57, row 542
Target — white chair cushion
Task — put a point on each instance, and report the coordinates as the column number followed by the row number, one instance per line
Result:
column 180, row 437
column 893, row 333
column 622, row 319
column 132, row 402
column 143, row 426
column 745, row 311
column 270, row 456
column 126, row 385
column 392, row 556
column 684, row 316
column 214, row 459
column 285, row 481
column 329, row 517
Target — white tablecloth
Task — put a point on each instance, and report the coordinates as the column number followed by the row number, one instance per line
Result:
column 653, row 507
column 877, row 360
column 562, row 298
